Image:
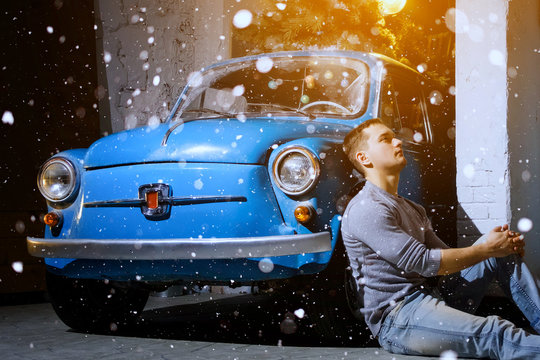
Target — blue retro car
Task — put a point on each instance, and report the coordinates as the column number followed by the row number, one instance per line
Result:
column 244, row 183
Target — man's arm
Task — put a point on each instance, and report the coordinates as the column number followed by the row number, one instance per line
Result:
column 500, row 243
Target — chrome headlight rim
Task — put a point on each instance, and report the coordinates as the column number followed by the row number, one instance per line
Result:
column 314, row 162
column 73, row 183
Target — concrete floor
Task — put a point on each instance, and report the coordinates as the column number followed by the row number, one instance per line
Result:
column 33, row 331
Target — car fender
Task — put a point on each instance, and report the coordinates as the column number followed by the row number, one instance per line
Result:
column 328, row 195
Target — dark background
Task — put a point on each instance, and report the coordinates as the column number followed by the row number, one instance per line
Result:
column 49, row 83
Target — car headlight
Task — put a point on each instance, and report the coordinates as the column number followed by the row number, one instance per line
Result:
column 296, row 170
column 57, row 179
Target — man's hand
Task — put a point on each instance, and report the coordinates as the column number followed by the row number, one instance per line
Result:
column 502, row 242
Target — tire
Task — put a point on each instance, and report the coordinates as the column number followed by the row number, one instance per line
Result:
column 89, row 305
column 333, row 306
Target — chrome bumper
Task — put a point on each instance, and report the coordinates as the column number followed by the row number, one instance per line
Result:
column 173, row 249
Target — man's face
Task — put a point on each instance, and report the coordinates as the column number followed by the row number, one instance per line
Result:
column 383, row 151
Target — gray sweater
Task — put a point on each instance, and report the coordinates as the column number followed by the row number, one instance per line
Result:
column 392, row 249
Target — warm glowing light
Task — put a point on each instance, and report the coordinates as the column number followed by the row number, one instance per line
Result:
column 52, row 219
column 389, row 7
column 303, row 213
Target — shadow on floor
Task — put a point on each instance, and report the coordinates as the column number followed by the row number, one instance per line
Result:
column 263, row 320
column 248, row 319
column 23, row 298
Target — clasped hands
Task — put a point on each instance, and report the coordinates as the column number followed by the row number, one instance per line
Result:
column 503, row 242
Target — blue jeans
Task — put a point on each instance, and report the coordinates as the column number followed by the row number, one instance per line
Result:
column 430, row 321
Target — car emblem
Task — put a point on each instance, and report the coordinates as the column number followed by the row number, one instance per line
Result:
column 154, row 198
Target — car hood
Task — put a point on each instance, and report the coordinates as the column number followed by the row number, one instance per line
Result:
column 207, row 140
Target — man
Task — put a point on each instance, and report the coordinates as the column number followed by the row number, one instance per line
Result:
column 394, row 251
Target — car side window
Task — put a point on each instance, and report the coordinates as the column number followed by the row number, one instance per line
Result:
column 388, row 111
column 411, row 110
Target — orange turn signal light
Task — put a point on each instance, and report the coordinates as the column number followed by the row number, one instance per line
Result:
column 303, row 213
column 152, row 200
column 52, row 219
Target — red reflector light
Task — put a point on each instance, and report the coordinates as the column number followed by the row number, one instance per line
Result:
column 52, row 219
column 152, row 200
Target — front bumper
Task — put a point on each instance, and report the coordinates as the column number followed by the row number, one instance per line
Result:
column 175, row 249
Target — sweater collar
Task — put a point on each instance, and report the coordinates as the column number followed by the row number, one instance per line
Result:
column 382, row 191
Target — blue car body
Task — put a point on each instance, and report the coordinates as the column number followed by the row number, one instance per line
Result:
column 220, row 214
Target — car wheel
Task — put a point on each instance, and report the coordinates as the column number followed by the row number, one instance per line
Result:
column 333, row 307
column 94, row 305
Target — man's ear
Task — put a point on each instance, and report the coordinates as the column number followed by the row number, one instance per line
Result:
column 363, row 158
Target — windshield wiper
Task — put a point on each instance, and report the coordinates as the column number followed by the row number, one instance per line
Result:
column 206, row 110
column 180, row 120
column 287, row 108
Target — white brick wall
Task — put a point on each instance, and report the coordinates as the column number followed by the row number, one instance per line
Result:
column 481, row 118
column 497, row 118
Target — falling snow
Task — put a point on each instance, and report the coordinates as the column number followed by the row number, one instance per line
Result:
column 153, row 122
column 435, row 97
column 143, row 55
column 7, row 118
column 17, row 266
column 496, row 58
column 476, row 33
column 449, row 355
column 131, row 121
column 107, row 57
column 238, row 90
column 264, row 64
column 242, row 19
column 198, row 184
column 266, row 265
column 456, row 21
column 524, row 225
column 195, row 79
column 469, row 171
column 526, row 176
column 299, row 313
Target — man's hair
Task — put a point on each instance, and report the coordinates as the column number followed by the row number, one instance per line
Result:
column 356, row 140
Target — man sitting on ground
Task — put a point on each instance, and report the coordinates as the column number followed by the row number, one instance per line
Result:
column 393, row 250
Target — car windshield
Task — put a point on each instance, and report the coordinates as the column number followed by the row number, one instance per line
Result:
column 303, row 86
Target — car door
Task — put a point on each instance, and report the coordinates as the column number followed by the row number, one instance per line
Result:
column 427, row 179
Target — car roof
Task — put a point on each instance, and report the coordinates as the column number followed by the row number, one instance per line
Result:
column 368, row 57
